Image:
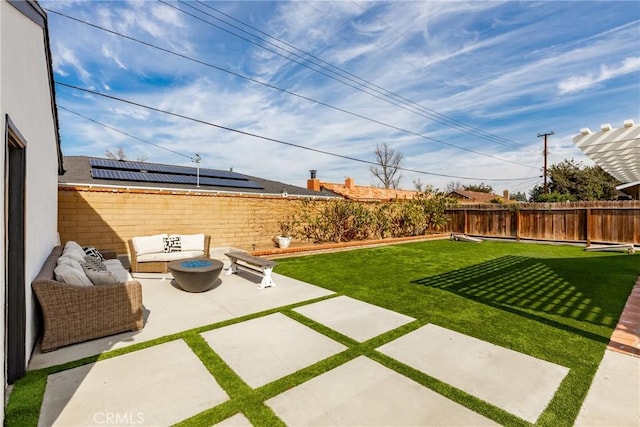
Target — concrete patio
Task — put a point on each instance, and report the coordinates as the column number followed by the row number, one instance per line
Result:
column 167, row 383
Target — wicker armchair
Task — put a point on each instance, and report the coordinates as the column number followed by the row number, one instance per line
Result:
column 73, row 314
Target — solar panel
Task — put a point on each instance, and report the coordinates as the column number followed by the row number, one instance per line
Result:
column 124, row 175
column 170, row 169
column 234, row 183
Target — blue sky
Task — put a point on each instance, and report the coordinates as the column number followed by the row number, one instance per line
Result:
column 459, row 88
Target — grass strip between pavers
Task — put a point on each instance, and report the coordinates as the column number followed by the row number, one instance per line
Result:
column 250, row 401
column 555, row 303
column 368, row 349
column 242, row 397
column 25, row 401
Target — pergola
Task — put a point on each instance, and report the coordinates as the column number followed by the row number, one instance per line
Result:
column 617, row 151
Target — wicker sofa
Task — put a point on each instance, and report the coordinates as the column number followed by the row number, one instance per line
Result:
column 73, row 314
column 151, row 254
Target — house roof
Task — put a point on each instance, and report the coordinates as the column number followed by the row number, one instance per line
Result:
column 79, row 173
column 349, row 190
column 475, row 196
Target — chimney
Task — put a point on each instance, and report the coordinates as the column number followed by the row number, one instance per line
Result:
column 349, row 183
column 313, row 183
column 505, row 195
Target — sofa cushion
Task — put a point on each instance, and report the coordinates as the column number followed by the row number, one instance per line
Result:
column 74, row 253
column 149, row 244
column 71, row 245
column 66, row 274
column 122, row 274
column 172, row 244
column 115, row 267
column 191, row 242
column 170, row 256
column 70, row 261
column 99, row 278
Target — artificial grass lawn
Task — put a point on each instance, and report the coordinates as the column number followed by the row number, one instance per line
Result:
column 556, row 303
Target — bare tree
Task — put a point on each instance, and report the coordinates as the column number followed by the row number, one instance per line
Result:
column 454, row 185
column 388, row 161
column 422, row 187
column 118, row 155
column 121, row 155
column 417, row 183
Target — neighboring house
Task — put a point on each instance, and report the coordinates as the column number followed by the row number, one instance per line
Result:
column 97, row 172
column 31, row 163
column 617, row 151
column 350, row 191
column 464, row 196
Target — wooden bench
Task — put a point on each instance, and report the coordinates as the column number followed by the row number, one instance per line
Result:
column 253, row 263
column 628, row 247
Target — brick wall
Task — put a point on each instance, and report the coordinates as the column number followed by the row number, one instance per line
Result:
column 107, row 218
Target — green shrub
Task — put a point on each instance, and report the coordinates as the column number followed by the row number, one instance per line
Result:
column 346, row 220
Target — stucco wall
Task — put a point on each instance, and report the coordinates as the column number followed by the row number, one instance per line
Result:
column 107, row 218
column 25, row 96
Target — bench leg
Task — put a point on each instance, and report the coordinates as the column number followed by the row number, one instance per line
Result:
column 233, row 269
column 267, row 281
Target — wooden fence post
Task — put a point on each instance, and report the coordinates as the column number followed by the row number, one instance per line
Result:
column 517, row 225
column 588, row 226
column 465, row 221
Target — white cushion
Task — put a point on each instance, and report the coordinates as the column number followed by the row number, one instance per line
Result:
column 76, row 254
column 122, row 275
column 70, row 261
column 71, row 276
column 112, row 264
column 191, row 242
column 171, row 256
column 149, row 244
column 99, row 278
column 71, row 245
column 116, row 268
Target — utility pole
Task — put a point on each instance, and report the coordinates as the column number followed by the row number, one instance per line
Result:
column 546, row 189
column 197, row 159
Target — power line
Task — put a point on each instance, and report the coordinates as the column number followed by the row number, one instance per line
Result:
column 183, row 56
column 390, row 96
column 253, row 135
column 124, row 133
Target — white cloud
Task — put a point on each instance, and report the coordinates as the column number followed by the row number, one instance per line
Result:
column 578, row 83
column 66, row 57
column 496, row 66
column 106, row 51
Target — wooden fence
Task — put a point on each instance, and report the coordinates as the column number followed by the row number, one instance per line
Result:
column 587, row 222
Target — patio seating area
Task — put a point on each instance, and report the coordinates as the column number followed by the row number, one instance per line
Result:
column 299, row 354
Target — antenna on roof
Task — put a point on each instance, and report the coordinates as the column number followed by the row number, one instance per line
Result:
column 197, row 159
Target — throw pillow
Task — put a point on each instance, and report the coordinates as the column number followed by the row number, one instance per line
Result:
column 191, row 242
column 148, row 244
column 99, row 278
column 93, row 252
column 71, row 276
column 95, row 264
column 172, row 244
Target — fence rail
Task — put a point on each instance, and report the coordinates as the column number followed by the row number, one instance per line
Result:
column 588, row 222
